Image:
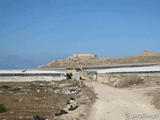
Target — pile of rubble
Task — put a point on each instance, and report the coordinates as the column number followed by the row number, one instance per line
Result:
column 72, row 104
column 71, row 62
column 38, row 100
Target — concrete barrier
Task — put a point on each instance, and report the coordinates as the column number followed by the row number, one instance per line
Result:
column 108, row 75
column 31, row 75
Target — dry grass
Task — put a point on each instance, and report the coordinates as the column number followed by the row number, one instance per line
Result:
column 126, row 81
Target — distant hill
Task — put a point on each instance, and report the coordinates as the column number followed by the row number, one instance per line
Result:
column 73, row 61
column 148, row 53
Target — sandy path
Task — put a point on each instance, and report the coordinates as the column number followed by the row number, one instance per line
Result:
column 120, row 104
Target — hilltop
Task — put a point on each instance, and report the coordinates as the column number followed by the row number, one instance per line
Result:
column 148, row 53
column 78, row 60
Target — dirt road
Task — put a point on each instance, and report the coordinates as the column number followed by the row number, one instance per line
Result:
column 120, row 104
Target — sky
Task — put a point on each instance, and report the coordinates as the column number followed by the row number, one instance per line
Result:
column 34, row 32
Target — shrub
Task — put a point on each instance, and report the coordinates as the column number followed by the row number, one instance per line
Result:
column 2, row 108
column 126, row 81
column 69, row 76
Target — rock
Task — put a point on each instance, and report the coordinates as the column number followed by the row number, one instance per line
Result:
column 52, row 83
column 36, row 117
column 73, row 104
column 66, row 91
column 56, row 91
column 41, row 84
column 38, row 90
column 20, row 100
column 45, row 90
column 20, row 117
column 11, row 112
column 4, row 87
column 77, row 77
column 36, row 98
column 61, row 113
column 67, row 108
column 69, row 90
column 72, row 108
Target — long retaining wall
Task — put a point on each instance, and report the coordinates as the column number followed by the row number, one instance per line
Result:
column 31, row 75
column 124, row 70
column 126, row 75
column 153, row 68
column 104, row 74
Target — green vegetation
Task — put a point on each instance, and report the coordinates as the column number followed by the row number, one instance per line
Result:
column 2, row 108
column 69, row 76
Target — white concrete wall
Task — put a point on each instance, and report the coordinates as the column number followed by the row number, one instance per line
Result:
column 31, row 75
column 31, row 78
column 30, row 71
column 155, row 68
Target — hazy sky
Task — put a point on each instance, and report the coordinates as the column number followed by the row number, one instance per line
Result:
column 33, row 32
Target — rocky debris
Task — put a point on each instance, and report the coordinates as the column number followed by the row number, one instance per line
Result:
column 20, row 100
column 52, row 100
column 78, row 74
column 11, row 112
column 38, row 91
column 4, row 87
column 57, row 91
column 62, row 85
column 36, row 117
column 77, row 77
column 61, row 113
column 67, row 90
column 69, row 63
column 71, row 105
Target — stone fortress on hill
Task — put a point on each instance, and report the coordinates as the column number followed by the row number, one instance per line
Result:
column 84, row 56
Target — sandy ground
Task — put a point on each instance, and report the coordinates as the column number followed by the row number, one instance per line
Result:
column 120, row 104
